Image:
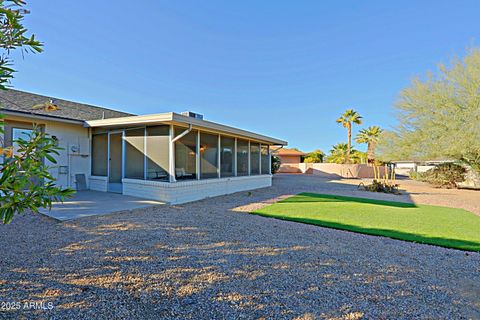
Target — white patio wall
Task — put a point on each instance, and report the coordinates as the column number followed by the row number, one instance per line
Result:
column 192, row 190
column 98, row 183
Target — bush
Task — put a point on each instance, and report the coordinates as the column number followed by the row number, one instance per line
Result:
column 445, row 175
column 275, row 164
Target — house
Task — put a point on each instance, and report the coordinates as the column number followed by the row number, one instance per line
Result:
column 170, row 157
column 289, row 160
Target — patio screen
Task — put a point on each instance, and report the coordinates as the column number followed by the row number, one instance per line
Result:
column 186, row 155
column 227, row 152
column 254, row 158
column 265, row 160
column 208, row 156
column 134, row 153
column 242, row 157
column 157, row 152
column 99, row 154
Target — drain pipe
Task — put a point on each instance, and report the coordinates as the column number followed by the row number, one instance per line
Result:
column 172, row 150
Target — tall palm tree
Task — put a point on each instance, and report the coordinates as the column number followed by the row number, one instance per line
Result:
column 370, row 136
column 348, row 118
column 338, row 153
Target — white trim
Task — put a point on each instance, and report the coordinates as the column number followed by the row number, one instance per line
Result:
column 197, row 154
column 235, row 171
column 219, row 158
column 145, row 155
column 249, row 156
column 124, row 153
column 171, row 155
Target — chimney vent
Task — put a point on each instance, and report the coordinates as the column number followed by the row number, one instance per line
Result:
column 192, row 115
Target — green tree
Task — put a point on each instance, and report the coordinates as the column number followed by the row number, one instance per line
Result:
column 347, row 119
column 25, row 182
column 370, row 136
column 315, row 156
column 439, row 116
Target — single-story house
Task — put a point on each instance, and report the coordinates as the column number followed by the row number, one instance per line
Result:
column 168, row 157
column 289, row 160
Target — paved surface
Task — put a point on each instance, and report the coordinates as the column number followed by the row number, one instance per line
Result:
column 93, row 203
column 207, row 260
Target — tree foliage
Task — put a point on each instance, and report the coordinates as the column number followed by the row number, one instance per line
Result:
column 338, row 154
column 370, row 136
column 439, row 116
column 315, row 156
column 347, row 119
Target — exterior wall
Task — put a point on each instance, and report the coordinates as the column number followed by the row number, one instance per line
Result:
column 68, row 135
column 186, row 191
column 98, row 183
column 335, row 170
column 289, row 164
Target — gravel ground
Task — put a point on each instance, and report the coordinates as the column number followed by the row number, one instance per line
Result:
column 209, row 260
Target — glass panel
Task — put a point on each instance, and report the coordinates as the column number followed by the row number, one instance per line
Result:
column 254, row 158
column 265, row 160
column 208, row 156
column 115, row 174
column 99, row 154
column 227, row 147
column 18, row 133
column 186, row 155
column 157, row 152
column 242, row 157
column 134, row 153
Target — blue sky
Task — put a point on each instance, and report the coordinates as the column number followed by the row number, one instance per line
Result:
column 281, row 68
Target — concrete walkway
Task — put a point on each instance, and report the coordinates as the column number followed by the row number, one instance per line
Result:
column 93, row 203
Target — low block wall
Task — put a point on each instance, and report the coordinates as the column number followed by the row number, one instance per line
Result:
column 98, row 183
column 186, row 191
column 333, row 170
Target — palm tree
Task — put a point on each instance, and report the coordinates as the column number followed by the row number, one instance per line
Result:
column 370, row 136
column 338, row 153
column 347, row 119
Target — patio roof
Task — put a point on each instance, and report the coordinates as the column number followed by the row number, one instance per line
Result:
column 181, row 120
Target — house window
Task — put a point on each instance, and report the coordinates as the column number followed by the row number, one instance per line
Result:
column 254, row 158
column 134, row 153
column 265, row 159
column 227, row 152
column 208, row 156
column 99, row 154
column 242, row 157
column 18, row 133
column 157, row 152
column 186, row 155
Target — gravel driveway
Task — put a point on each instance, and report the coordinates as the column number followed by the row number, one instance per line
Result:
column 209, row 260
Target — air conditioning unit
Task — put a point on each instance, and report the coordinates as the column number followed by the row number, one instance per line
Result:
column 192, row 115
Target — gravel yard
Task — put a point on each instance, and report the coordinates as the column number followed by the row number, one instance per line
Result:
column 210, row 260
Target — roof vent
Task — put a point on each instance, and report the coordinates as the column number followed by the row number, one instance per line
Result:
column 192, row 115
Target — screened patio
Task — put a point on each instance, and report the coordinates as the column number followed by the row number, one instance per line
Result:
column 157, row 155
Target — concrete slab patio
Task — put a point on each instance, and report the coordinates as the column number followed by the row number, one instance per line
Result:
column 93, row 203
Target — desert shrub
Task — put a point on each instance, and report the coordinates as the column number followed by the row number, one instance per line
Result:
column 445, row 175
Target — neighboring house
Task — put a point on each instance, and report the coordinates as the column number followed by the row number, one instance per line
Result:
column 406, row 166
column 289, row 160
column 169, row 157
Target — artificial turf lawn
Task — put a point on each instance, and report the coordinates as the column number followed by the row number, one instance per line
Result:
column 441, row 226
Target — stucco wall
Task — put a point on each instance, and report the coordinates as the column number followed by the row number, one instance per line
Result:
column 186, row 191
column 68, row 135
column 336, row 170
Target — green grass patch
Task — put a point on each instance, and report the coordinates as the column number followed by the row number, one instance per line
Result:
column 441, row 226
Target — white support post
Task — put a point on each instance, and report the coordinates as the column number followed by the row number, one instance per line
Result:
column 249, row 156
column 108, row 156
column 145, row 158
column 123, row 153
column 219, row 159
column 197, row 163
column 269, row 160
column 235, row 171
column 171, row 156
column 260, row 160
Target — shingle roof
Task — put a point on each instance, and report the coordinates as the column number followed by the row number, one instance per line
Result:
column 21, row 101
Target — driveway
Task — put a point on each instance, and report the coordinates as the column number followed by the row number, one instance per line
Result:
column 209, row 260
column 93, row 203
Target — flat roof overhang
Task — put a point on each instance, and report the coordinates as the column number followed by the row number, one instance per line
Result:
column 183, row 121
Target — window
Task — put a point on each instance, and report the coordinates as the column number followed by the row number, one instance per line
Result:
column 208, row 156
column 158, row 152
column 265, row 160
column 134, row 153
column 242, row 157
column 99, row 154
column 18, row 133
column 254, row 158
column 186, row 155
column 227, row 152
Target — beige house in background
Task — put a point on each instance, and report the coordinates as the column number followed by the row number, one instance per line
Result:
column 170, row 157
column 289, row 160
